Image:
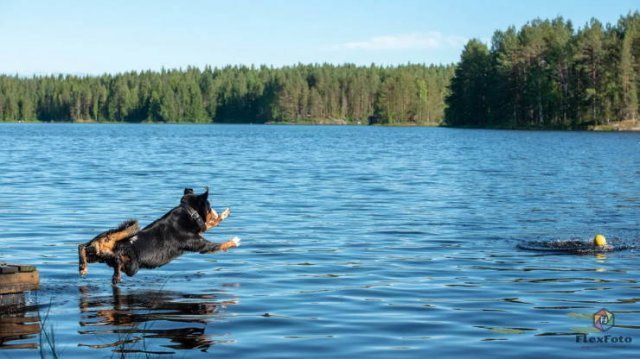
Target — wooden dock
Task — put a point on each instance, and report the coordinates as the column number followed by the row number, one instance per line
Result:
column 14, row 280
column 18, row 319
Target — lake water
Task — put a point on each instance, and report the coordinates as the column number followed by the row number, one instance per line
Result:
column 357, row 241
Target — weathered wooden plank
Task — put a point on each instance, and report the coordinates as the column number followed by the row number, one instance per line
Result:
column 19, row 282
column 19, row 267
column 26, row 268
column 7, row 269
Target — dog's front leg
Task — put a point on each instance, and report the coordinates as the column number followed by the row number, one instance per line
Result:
column 200, row 244
column 214, row 219
column 211, row 247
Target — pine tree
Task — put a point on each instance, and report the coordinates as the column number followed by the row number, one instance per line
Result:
column 628, row 79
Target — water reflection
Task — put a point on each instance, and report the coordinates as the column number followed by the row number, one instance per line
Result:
column 19, row 323
column 151, row 322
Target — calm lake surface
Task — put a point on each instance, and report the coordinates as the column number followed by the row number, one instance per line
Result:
column 357, row 241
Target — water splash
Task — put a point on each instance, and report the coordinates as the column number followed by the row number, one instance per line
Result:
column 578, row 245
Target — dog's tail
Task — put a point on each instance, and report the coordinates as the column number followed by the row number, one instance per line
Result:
column 125, row 230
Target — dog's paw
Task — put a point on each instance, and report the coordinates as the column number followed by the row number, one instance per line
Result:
column 226, row 213
column 232, row 243
column 236, row 241
column 83, row 272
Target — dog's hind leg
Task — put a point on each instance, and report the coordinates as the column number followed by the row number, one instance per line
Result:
column 117, row 271
column 82, row 260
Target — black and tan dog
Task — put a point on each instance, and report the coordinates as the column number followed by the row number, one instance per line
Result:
column 129, row 248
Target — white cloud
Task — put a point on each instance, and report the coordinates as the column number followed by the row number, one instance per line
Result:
column 414, row 41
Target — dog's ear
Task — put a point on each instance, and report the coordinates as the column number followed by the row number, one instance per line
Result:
column 205, row 195
column 187, row 192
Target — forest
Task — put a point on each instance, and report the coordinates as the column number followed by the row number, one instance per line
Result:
column 544, row 75
column 407, row 94
column 548, row 75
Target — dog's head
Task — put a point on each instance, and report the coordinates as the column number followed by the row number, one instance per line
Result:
column 199, row 202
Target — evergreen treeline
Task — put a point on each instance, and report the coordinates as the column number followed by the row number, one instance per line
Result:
column 302, row 93
column 546, row 75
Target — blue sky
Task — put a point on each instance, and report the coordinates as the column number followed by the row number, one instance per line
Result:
column 91, row 37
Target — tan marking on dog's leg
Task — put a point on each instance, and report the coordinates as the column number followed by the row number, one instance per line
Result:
column 233, row 243
column 215, row 221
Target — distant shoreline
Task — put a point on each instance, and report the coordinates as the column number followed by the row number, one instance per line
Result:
column 622, row 126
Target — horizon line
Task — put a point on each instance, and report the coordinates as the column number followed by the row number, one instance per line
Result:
column 221, row 67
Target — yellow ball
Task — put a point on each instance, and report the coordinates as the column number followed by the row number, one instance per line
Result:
column 599, row 240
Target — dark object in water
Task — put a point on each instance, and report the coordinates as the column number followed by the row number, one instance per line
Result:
column 572, row 246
